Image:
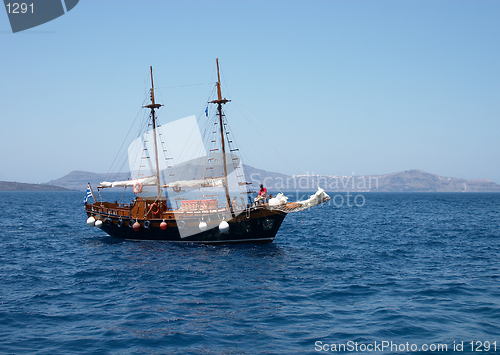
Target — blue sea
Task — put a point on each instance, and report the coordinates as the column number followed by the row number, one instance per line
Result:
column 392, row 273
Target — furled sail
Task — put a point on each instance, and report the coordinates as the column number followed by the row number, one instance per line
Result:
column 146, row 181
column 279, row 203
column 210, row 182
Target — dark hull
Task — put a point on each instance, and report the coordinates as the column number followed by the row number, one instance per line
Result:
column 256, row 226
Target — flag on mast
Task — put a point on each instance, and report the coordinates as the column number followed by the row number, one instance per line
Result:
column 87, row 194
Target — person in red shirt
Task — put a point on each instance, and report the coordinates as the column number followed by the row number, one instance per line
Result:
column 262, row 194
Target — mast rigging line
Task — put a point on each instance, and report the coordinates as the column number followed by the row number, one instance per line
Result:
column 242, row 152
column 258, row 131
column 301, row 171
column 120, row 159
column 181, row 86
column 121, row 152
column 260, row 134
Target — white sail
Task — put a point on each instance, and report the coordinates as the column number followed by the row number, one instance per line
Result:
column 146, row 181
column 279, row 203
column 210, row 182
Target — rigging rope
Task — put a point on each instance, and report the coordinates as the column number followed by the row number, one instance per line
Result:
column 181, row 86
column 272, row 147
column 121, row 152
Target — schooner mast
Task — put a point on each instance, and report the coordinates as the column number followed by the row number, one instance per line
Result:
column 154, row 106
column 220, row 101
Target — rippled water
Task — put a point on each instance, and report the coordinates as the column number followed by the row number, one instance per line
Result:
column 421, row 269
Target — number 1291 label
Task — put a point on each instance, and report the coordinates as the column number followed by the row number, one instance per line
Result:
column 483, row 346
column 16, row 8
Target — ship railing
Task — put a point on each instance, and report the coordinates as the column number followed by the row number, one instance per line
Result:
column 109, row 211
column 199, row 205
column 203, row 212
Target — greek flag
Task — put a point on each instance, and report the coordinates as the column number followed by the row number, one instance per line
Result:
column 206, row 111
column 87, row 194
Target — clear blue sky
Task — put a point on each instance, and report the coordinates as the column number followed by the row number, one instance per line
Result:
column 369, row 87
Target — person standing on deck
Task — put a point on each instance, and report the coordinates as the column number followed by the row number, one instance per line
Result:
column 234, row 203
column 262, row 194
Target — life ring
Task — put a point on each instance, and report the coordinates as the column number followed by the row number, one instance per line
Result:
column 137, row 188
column 119, row 223
column 157, row 209
column 181, row 224
column 176, row 188
column 147, row 224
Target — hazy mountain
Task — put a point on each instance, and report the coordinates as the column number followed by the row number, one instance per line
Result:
column 421, row 181
column 405, row 181
column 19, row 186
column 78, row 180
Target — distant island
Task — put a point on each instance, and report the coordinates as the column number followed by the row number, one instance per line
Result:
column 19, row 186
column 405, row 181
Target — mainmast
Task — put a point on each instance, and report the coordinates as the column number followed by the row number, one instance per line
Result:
column 154, row 106
column 220, row 101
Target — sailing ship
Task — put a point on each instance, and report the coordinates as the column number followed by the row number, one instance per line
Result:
column 185, row 196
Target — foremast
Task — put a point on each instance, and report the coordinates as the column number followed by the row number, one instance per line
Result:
column 220, row 101
column 153, row 106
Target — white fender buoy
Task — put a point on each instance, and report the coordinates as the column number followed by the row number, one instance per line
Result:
column 224, row 227
column 203, row 226
column 98, row 223
column 90, row 221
